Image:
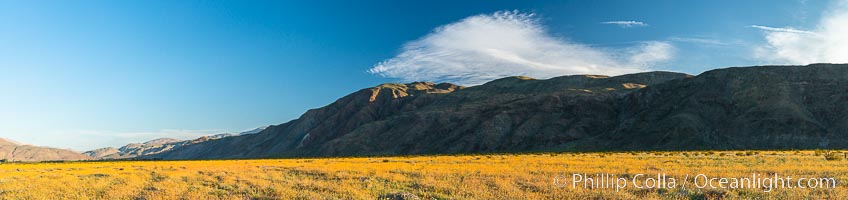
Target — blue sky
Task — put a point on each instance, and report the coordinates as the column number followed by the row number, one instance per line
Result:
column 89, row 74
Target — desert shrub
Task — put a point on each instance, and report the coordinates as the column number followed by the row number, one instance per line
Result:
column 832, row 156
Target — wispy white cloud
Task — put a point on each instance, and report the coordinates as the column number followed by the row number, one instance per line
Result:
column 827, row 42
column 649, row 53
column 486, row 47
column 785, row 30
column 627, row 24
column 698, row 40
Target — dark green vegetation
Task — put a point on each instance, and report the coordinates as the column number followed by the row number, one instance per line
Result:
column 766, row 107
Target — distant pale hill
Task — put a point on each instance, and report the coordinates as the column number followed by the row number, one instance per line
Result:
column 14, row 151
column 156, row 146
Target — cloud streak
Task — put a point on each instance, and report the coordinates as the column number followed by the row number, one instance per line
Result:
column 626, row 24
column 785, row 30
column 481, row 48
column 826, row 43
column 696, row 40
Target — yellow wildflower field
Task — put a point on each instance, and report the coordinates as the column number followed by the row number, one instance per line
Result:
column 496, row 176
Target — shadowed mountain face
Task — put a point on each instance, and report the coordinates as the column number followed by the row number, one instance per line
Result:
column 12, row 151
column 734, row 108
column 774, row 107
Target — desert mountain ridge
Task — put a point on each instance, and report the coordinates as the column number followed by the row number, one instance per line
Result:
column 15, row 151
column 11, row 150
column 761, row 107
column 156, row 146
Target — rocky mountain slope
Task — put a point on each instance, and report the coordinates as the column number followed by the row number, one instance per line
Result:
column 765, row 107
column 136, row 149
column 773, row 107
column 13, row 151
column 509, row 114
